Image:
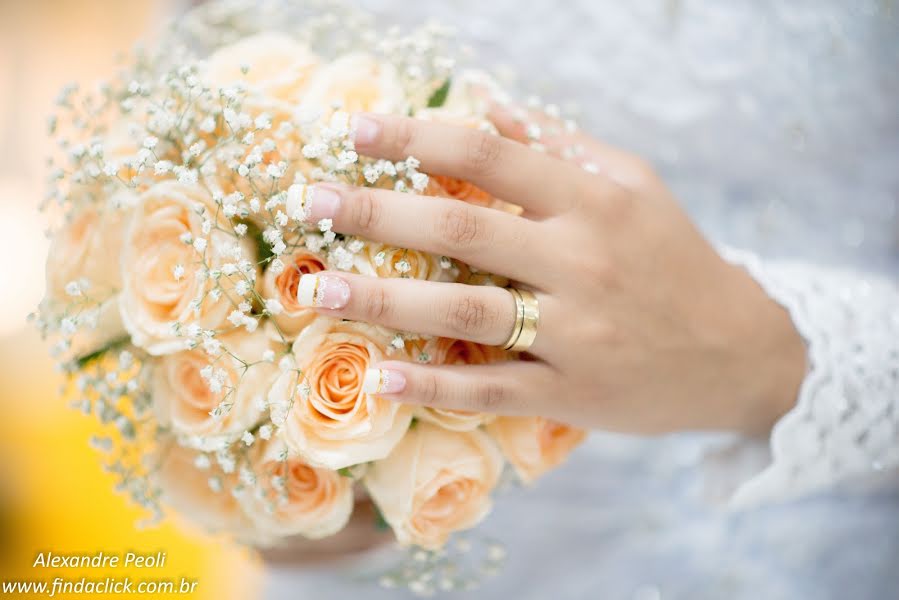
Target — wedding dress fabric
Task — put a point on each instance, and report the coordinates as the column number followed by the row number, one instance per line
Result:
column 777, row 126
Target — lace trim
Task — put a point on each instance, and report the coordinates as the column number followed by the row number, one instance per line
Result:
column 846, row 419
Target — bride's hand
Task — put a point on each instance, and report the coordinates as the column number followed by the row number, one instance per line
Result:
column 643, row 327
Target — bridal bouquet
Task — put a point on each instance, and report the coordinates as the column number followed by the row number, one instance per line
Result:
column 172, row 284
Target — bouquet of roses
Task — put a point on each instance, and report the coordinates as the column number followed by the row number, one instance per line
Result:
column 173, row 284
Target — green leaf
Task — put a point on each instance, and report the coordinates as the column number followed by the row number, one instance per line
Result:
column 381, row 523
column 345, row 471
column 83, row 361
column 263, row 249
column 439, row 96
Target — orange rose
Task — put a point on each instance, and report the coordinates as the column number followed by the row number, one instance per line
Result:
column 450, row 187
column 332, row 423
column 534, row 445
column 293, row 498
column 435, row 482
column 283, row 288
column 447, row 351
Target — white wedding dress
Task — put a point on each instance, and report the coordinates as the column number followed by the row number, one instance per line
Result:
column 776, row 123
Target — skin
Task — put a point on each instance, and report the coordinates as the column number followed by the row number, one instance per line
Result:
column 643, row 327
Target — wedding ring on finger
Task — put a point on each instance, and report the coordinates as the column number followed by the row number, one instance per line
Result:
column 527, row 314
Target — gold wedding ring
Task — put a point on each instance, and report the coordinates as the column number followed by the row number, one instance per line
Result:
column 527, row 313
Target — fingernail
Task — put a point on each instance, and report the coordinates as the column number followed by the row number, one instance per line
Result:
column 383, row 381
column 323, row 291
column 365, row 129
column 321, row 203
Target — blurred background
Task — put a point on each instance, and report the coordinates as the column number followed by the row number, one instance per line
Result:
column 54, row 495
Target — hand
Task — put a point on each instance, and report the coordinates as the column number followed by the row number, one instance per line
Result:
column 643, row 327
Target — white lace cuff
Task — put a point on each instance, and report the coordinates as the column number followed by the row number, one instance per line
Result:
column 846, row 419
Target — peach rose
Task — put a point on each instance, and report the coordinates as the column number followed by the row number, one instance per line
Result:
column 186, row 489
column 435, row 482
column 272, row 146
column 293, row 498
column 277, row 66
column 153, row 298
column 88, row 247
column 331, row 423
column 183, row 394
column 87, row 250
column 358, row 83
column 283, row 288
column 447, row 351
column 378, row 260
column 534, row 445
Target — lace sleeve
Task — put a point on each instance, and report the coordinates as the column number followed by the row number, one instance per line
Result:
column 846, row 419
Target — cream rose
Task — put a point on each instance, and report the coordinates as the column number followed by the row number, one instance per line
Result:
column 186, row 488
column 357, row 83
column 187, row 386
column 153, row 299
column 88, row 247
column 283, row 288
column 447, row 351
column 293, row 498
column 87, row 250
column 435, row 482
column 277, row 66
column 378, row 260
column 534, row 445
column 331, row 422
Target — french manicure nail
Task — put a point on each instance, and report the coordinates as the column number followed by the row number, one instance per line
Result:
column 322, row 291
column 365, row 129
column 322, row 203
column 383, row 381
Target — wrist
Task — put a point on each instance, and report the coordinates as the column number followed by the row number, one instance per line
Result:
column 773, row 366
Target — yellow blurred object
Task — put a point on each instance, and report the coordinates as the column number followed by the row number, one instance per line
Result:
column 55, row 497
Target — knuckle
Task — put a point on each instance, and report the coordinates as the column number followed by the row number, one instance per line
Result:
column 366, row 211
column 429, row 391
column 595, row 272
column 468, row 315
column 377, row 304
column 619, row 205
column 482, row 152
column 489, row 396
column 605, row 333
column 458, row 227
column 403, row 137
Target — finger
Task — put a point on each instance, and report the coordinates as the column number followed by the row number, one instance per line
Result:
column 490, row 240
column 506, row 388
column 482, row 314
column 563, row 139
column 541, row 184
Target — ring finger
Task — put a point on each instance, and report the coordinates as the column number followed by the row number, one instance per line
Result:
column 482, row 314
